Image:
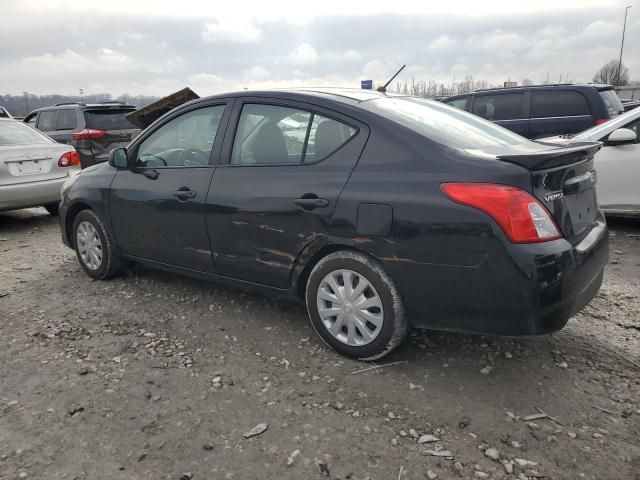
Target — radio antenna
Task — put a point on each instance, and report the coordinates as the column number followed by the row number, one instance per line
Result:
column 383, row 89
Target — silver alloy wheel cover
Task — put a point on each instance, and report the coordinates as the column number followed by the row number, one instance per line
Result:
column 349, row 307
column 89, row 245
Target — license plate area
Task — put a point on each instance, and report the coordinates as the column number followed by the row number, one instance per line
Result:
column 582, row 208
column 29, row 167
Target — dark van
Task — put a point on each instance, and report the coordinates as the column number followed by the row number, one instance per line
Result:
column 542, row 110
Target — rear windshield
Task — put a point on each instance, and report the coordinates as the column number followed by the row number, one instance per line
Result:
column 612, row 102
column 443, row 124
column 17, row 133
column 108, row 119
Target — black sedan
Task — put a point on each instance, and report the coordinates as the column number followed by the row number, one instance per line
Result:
column 380, row 212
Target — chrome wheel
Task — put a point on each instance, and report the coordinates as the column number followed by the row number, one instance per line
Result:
column 350, row 307
column 89, row 245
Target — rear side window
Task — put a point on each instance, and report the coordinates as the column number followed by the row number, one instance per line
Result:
column 499, row 107
column 611, row 102
column 66, row 120
column 111, row 119
column 272, row 135
column 47, row 120
column 558, row 104
column 325, row 137
column 460, row 103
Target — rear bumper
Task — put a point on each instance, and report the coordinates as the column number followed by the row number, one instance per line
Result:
column 32, row 194
column 525, row 290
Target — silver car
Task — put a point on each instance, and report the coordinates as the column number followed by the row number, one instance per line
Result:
column 32, row 167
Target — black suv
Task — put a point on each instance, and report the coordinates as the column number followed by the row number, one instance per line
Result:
column 92, row 129
column 542, row 110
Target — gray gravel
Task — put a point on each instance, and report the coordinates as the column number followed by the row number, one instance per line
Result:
column 154, row 376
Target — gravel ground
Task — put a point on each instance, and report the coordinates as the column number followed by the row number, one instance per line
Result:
column 155, row 376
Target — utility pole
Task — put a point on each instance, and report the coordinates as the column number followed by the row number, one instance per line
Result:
column 81, row 94
column 624, row 27
column 26, row 102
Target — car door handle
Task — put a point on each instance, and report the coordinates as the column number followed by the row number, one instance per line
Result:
column 311, row 203
column 183, row 193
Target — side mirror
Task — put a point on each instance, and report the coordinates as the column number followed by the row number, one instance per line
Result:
column 621, row 136
column 118, row 158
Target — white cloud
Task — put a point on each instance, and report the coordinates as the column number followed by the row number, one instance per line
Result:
column 376, row 70
column 443, row 42
column 257, row 73
column 600, row 29
column 234, row 31
column 304, row 54
column 497, row 42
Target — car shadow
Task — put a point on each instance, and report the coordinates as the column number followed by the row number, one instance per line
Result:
column 25, row 219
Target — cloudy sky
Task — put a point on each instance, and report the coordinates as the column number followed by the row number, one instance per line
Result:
column 139, row 47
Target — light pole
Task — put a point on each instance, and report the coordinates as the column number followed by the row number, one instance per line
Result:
column 624, row 27
column 81, row 90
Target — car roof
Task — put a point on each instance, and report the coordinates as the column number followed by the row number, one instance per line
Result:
column 86, row 106
column 351, row 96
column 557, row 86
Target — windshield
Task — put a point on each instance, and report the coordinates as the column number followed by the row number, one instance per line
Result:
column 444, row 124
column 108, row 119
column 17, row 133
column 612, row 102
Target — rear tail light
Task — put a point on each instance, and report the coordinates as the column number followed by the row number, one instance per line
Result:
column 88, row 134
column 69, row 159
column 600, row 121
column 522, row 218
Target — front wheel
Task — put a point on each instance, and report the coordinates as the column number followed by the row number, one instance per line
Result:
column 94, row 246
column 354, row 306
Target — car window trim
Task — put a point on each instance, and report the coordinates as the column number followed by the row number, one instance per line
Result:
column 216, row 149
column 281, row 102
column 562, row 116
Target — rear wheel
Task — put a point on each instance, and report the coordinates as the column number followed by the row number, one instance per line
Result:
column 354, row 306
column 52, row 208
column 94, row 246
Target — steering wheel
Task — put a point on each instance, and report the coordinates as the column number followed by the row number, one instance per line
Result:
column 152, row 162
column 193, row 155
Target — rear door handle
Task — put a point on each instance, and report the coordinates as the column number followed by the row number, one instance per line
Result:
column 311, row 203
column 184, row 193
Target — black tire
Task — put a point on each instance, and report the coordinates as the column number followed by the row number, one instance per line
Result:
column 111, row 263
column 52, row 208
column 394, row 327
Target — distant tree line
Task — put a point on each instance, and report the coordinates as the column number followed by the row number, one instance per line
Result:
column 21, row 105
column 608, row 74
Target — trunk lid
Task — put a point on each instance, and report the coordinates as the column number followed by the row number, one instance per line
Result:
column 118, row 131
column 564, row 180
column 31, row 163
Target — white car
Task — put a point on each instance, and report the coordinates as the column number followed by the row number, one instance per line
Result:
column 617, row 163
column 32, row 167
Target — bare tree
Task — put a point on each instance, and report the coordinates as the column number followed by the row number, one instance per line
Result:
column 609, row 74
